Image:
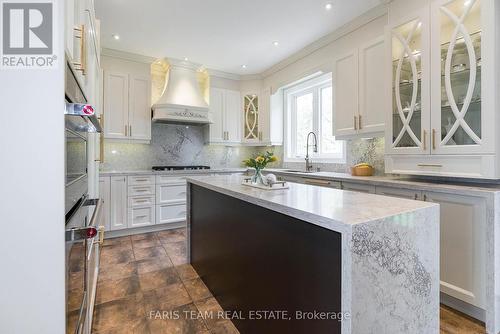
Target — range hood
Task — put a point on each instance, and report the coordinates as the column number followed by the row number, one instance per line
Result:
column 182, row 100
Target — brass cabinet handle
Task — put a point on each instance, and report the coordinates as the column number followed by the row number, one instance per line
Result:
column 359, row 122
column 433, row 139
column 126, row 128
column 100, row 231
column 227, row 135
column 429, row 165
column 355, row 123
column 416, row 196
column 130, row 130
column 81, row 66
column 316, row 182
column 424, row 139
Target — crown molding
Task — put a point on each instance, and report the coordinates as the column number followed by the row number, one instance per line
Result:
column 222, row 74
column 127, row 55
column 349, row 27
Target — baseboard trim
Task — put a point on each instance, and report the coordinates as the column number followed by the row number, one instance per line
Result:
column 461, row 306
column 145, row 229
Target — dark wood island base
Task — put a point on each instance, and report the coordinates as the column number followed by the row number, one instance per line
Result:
column 272, row 273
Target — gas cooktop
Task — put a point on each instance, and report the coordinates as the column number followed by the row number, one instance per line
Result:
column 180, row 167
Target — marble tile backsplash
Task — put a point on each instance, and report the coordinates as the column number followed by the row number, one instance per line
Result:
column 357, row 150
column 185, row 145
column 174, row 145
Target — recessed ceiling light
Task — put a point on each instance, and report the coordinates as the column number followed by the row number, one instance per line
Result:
column 243, row 66
column 276, row 43
column 116, row 37
column 186, row 59
column 328, row 6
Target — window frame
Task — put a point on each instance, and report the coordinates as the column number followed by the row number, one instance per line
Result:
column 314, row 86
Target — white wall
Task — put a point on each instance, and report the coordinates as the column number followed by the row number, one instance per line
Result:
column 32, row 282
column 322, row 59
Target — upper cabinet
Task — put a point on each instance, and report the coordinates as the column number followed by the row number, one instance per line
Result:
column 358, row 100
column 443, row 79
column 225, row 106
column 127, row 100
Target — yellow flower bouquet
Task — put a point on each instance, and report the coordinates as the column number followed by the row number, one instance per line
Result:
column 259, row 163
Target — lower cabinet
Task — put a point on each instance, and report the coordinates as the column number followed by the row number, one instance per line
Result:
column 138, row 217
column 365, row 188
column 170, row 213
column 463, row 246
column 399, row 192
column 118, row 203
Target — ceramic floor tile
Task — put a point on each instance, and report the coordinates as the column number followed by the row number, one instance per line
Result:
column 124, row 241
column 117, row 271
column 144, row 236
column 146, row 243
column 225, row 327
column 153, row 264
column 172, row 235
column 130, row 326
column 186, row 272
column 188, row 322
column 110, row 290
column 197, row 289
column 115, row 313
column 214, row 314
column 149, row 253
column 166, row 298
column 157, row 279
column 118, row 257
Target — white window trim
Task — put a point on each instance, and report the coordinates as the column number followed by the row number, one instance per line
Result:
column 315, row 85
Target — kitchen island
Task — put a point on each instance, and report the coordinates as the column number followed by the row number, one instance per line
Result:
column 310, row 259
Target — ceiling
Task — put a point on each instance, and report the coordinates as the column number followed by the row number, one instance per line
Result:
column 222, row 34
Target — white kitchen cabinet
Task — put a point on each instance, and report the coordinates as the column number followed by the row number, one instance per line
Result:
column 139, row 108
column 127, row 106
column 359, row 187
column 399, row 192
column 225, row 106
column 105, row 195
column 372, row 102
column 118, row 202
column 141, row 216
column 358, row 100
column 345, row 95
column 170, row 213
column 443, row 65
column 116, row 105
column 462, row 246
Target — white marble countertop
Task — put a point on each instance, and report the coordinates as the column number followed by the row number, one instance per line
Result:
column 334, row 209
column 152, row 172
column 445, row 184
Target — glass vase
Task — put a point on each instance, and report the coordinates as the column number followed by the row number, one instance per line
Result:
column 258, row 178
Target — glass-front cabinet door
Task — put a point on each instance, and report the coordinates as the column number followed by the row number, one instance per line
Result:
column 409, row 56
column 251, row 118
column 460, row 121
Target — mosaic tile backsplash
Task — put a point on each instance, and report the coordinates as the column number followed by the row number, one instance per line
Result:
column 185, row 145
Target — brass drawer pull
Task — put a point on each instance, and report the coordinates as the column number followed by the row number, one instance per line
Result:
column 100, row 231
column 359, row 122
column 355, row 122
column 429, row 165
column 433, row 139
column 424, row 139
column 81, row 66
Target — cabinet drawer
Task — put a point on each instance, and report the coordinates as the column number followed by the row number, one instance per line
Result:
column 141, row 216
column 147, row 190
column 170, row 194
column 168, row 213
column 469, row 166
column 364, row 188
column 135, row 202
column 164, row 179
column 398, row 192
column 138, row 180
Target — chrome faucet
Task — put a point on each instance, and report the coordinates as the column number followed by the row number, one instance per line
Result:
column 315, row 150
